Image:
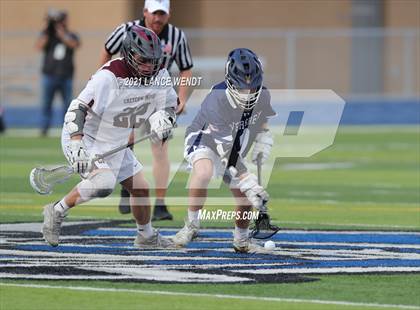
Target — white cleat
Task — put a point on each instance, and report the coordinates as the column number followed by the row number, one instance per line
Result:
column 245, row 245
column 52, row 224
column 155, row 241
column 186, row 234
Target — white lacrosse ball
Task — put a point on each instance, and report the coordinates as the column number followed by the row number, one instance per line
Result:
column 269, row 245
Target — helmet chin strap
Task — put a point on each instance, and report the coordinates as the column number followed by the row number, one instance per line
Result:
column 234, row 103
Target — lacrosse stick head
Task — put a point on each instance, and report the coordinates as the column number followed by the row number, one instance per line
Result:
column 37, row 182
column 42, row 180
column 263, row 228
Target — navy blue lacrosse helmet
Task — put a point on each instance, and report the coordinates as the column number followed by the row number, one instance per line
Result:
column 244, row 76
column 142, row 52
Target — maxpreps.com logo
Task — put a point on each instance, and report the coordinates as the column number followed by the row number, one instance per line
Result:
column 223, row 215
column 103, row 251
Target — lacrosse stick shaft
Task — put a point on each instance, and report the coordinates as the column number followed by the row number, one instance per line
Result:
column 43, row 180
column 259, row 176
column 259, row 167
column 122, row 147
column 263, row 221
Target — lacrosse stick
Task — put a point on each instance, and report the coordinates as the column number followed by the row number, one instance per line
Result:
column 263, row 228
column 44, row 179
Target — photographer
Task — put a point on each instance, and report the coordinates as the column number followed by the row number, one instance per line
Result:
column 58, row 45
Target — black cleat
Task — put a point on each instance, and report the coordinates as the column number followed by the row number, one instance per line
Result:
column 124, row 206
column 161, row 213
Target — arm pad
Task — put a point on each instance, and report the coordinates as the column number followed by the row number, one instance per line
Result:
column 74, row 120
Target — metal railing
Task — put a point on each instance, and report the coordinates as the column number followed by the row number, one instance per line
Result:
column 293, row 58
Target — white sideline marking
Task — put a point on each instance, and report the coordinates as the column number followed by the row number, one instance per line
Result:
column 229, row 201
column 317, row 166
column 355, row 202
column 220, row 296
column 36, row 227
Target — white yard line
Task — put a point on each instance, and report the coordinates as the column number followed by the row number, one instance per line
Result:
column 346, row 224
column 353, row 202
column 219, row 296
column 318, row 166
column 333, row 270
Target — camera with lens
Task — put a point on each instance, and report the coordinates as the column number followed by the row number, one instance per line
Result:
column 54, row 17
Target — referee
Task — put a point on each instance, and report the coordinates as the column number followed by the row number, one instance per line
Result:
column 175, row 49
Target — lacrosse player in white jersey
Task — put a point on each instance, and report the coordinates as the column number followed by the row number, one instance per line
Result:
column 118, row 97
column 156, row 15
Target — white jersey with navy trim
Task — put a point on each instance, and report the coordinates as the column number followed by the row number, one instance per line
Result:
column 174, row 44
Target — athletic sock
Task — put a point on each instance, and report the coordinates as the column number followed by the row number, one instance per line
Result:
column 241, row 233
column 62, row 207
column 145, row 230
column 193, row 216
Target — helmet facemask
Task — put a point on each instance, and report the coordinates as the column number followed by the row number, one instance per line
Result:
column 244, row 98
column 141, row 66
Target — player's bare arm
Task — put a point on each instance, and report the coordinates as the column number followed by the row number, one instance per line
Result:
column 183, row 91
column 104, row 57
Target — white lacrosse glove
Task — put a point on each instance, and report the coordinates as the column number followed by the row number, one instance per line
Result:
column 263, row 144
column 78, row 156
column 253, row 191
column 161, row 125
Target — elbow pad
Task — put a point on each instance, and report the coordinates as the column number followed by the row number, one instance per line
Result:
column 74, row 120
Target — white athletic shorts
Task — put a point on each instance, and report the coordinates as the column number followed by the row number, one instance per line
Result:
column 123, row 164
column 204, row 152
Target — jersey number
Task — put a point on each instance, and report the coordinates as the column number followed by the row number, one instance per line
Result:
column 132, row 117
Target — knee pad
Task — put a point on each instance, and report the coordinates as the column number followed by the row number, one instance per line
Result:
column 99, row 185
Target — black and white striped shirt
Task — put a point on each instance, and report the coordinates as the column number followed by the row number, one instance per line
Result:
column 174, row 44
